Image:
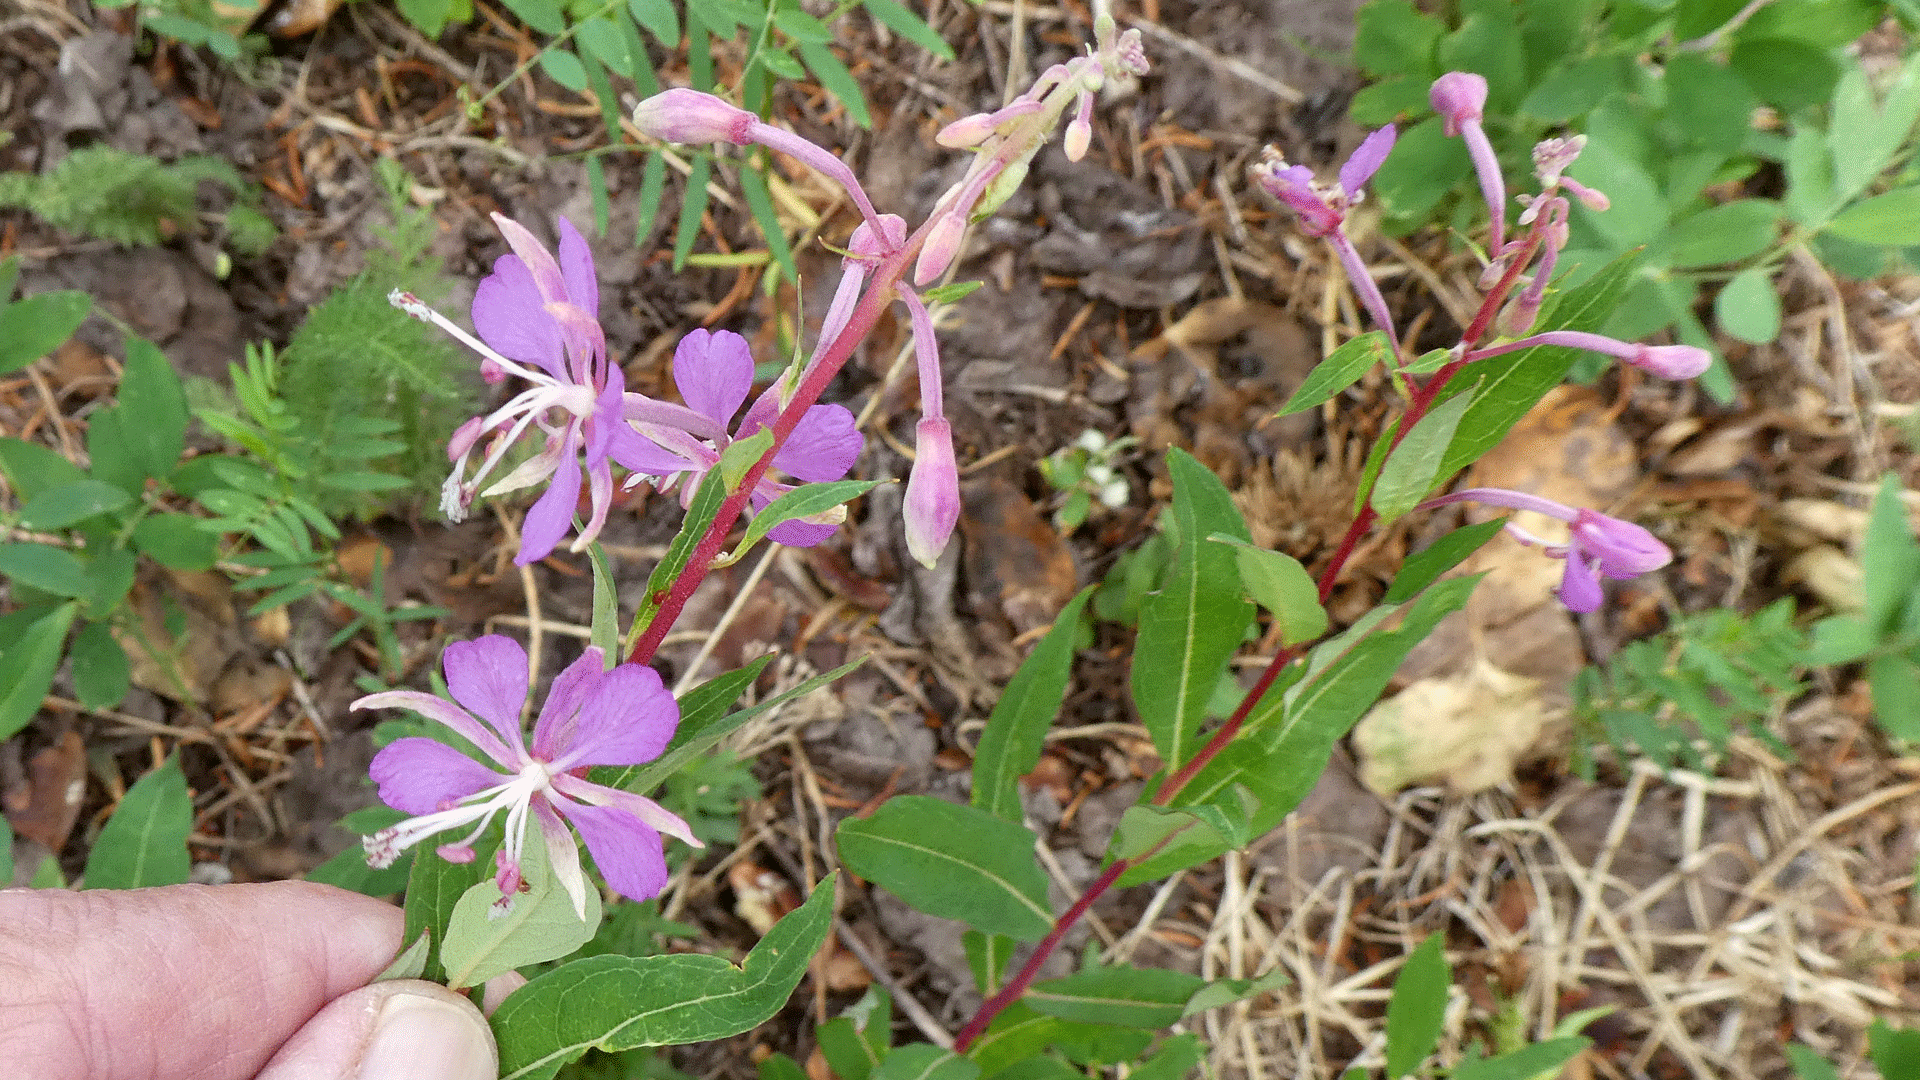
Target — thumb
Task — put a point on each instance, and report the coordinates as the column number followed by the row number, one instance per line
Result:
column 398, row 1030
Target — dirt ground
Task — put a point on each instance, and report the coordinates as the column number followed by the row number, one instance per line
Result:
column 1143, row 291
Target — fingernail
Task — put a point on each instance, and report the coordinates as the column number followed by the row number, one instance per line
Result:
column 419, row 1038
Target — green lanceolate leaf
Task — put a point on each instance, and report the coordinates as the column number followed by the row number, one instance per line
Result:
column 145, row 841
column 1122, row 996
column 1278, row 582
column 541, row 925
column 706, row 503
column 616, row 1003
column 760, row 203
column 27, row 667
column 1892, row 219
column 908, row 25
column 691, row 211
column 1191, row 627
column 33, row 469
column 1526, row 1063
column 153, row 408
column 1341, row 369
column 804, row 501
column 70, row 504
column 45, row 567
column 1205, row 830
column 34, row 327
column 101, row 673
column 1418, row 1009
column 922, row 1061
column 1424, row 568
column 954, row 862
column 1412, row 468
column 1017, row 731
column 433, row 889
column 605, row 627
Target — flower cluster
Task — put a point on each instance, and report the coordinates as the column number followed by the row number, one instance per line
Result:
column 592, row 716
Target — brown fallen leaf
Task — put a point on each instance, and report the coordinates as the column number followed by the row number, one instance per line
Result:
column 1016, row 562
column 1467, row 730
column 47, row 808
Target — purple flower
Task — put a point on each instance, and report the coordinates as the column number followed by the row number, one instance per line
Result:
column 591, row 717
column 1597, row 545
column 1665, row 361
column 714, row 371
column 932, row 504
column 538, row 318
column 1460, row 97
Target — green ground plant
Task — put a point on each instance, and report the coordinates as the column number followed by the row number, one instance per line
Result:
column 139, row 201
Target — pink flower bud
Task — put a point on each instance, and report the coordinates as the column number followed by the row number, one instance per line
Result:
column 1671, row 361
column 491, row 372
column 1460, row 97
column 1079, row 139
column 932, row 504
column 941, row 247
column 1596, row 201
column 967, row 132
column 685, row 115
column 1619, row 548
column 464, row 437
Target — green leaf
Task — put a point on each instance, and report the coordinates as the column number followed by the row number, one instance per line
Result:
column 1424, row 568
column 349, row 870
column 430, row 17
column 1809, row 1065
column 6, row 830
column 100, row 669
column 1526, row 1063
column 542, row 15
column 951, row 293
column 34, row 327
column 1341, row 369
column 1896, row 695
column 1509, row 386
column 837, row 80
column 908, row 25
column 1895, row 1051
column 700, row 513
column 33, row 469
column 804, row 501
column 659, row 19
column 175, row 540
column 1280, row 584
column 1748, row 308
column 953, row 862
column 1412, row 468
column 753, row 185
column 1178, row 838
column 47, row 568
column 1841, row 639
column 1889, row 558
column 153, row 409
column 434, row 887
column 27, row 667
column 72, row 503
column 109, row 454
column 1175, row 1059
column 1727, row 233
column 1417, row 1011
column 854, row 1041
column 1786, row 73
column 605, row 624
column 1017, row 731
column 987, row 957
column 1123, row 996
column 616, row 1003
column 541, row 925
column 1889, row 220
column 692, row 209
column 923, row 1061
column 1392, row 37
column 145, row 841
column 564, row 68
column 1190, row 629
column 740, row 455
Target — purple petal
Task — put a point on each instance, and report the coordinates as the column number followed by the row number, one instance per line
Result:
column 576, row 267
column 637, row 453
column 509, row 316
column 445, row 712
column 629, row 854
column 552, row 515
column 1366, row 160
column 488, row 676
column 1622, row 549
column 1580, row 585
column 650, row 813
column 419, row 775
column 553, row 733
column 547, row 278
column 628, row 718
column 796, row 532
column 823, row 446
column 714, row 372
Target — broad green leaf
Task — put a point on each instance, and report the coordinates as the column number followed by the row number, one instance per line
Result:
column 1787, row 73
column 1895, row 1051
column 541, row 925
column 659, row 19
column 1748, row 308
column 108, row 455
column 72, row 503
column 1412, row 468
column 563, row 67
column 1889, row 559
column 1809, row 1065
column 1016, row 733
column 542, row 15
column 47, row 568
column 1889, row 220
column 1425, row 567
column 616, row 1003
column 1123, row 996
column 1178, row 838
column 1175, row 1059
column 430, row 17
column 854, row 1041
column 837, row 80
column 27, row 667
column 804, row 501
column 1341, row 369
column 109, row 579
column 1417, row 1011
column 1526, row 1063
column 1841, row 639
column 434, row 887
column 1392, row 37
column 951, row 861
column 34, row 327
column 1810, row 197
column 175, row 540
column 1727, row 233
column 1278, row 582
column 1710, row 103
column 145, row 841
column 100, row 669
column 1191, row 627
column 924, row 1061
column 33, row 469
column 1509, row 386
column 908, row 25
column 153, row 408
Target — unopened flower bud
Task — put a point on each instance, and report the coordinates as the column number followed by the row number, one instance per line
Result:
column 464, row 437
column 1589, row 198
column 1619, row 548
column 967, row 132
column 1079, row 138
column 1671, row 361
column 1460, row 97
column 941, row 247
column 685, row 115
column 491, row 372
column 932, row 503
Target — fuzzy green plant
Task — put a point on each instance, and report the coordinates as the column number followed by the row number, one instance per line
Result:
column 108, row 194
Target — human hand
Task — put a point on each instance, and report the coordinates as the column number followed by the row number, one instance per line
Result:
column 232, row 982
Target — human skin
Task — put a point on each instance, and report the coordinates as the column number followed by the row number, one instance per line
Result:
column 233, row 982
